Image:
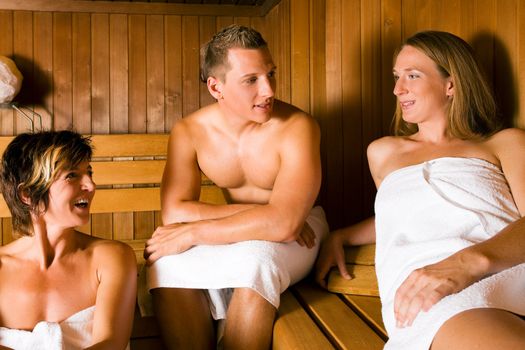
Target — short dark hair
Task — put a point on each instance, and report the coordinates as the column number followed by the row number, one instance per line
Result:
column 30, row 165
column 214, row 54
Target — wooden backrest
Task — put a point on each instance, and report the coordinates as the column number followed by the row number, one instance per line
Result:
column 128, row 170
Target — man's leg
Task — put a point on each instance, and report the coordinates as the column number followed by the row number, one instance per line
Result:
column 481, row 329
column 249, row 321
column 184, row 318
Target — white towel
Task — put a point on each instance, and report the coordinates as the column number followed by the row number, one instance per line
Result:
column 70, row 334
column 266, row 267
column 427, row 212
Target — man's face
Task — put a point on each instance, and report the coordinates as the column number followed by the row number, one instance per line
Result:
column 249, row 86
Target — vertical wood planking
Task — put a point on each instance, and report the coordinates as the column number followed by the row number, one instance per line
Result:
column 480, row 33
column 6, row 114
column 243, row 21
column 23, row 57
column 317, row 32
column 82, row 73
column 506, row 59
column 173, row 70
column 118, row 74
column 300, row 53
column 207, row 28
column 137, row 74
column 445, row 15
column 155, row 73
column 100, row 73
column 223, row 21
column 371, row 95
column 272, row 38
column 119, row 121
column 333, row 178
column 81, row 80
column 101, row 224
column 43, row 69
column 390, row 41
column 6, row 49
column 190, row 64
column 63, row 71
column 283, row 67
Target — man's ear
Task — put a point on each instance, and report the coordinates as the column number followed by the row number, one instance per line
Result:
column 450, row 87
column 214, row 87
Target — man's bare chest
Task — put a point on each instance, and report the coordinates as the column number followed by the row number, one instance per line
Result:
column 232, row 167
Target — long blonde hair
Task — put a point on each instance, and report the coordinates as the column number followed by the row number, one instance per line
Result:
column 472, row 113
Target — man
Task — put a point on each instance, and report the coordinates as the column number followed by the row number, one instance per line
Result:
column 264, row 154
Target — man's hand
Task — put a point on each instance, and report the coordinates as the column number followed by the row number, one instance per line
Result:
column 306, row 237
column 332, row 254
column 168, row 240
column 426, row 286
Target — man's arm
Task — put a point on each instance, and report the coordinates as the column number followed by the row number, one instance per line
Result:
column 281, row 220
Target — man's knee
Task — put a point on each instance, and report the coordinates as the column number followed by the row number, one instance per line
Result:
column 248, row 296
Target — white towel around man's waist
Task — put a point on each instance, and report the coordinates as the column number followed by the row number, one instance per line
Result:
column 266, row 267
column 425, row 213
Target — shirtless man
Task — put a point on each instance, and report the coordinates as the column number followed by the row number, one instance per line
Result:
column 264, row 154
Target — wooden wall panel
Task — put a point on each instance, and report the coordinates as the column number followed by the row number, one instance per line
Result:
column 6, row 49
column 155, row 73
column 23, row 53
column 131, row 72
column 62, row 71
column 190, row 64
column 42, row 95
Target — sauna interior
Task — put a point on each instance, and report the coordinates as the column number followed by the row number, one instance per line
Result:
column 124, row 67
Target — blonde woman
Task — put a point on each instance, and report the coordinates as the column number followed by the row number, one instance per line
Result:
column 449, row 233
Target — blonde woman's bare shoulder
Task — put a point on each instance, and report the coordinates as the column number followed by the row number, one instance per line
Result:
column 379, row 152
column 382, row 148
column 507, row 142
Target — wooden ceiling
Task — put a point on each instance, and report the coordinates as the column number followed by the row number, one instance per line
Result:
column 204, row 2
column 167, row 7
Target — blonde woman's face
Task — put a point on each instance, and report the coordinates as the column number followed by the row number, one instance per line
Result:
column 422, row 92
column 70, row 197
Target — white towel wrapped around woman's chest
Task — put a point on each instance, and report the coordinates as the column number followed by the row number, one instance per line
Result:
column 425, row 213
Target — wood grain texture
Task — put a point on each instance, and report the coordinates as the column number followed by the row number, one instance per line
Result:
column 138, row 71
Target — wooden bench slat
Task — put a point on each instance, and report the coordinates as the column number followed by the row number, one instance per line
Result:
column 294, row 329
column 129, row 199
column 128, row 172
column 344, row 326
column 361, row 255
column 370, row 308
column 130, row 145
column 364, row 281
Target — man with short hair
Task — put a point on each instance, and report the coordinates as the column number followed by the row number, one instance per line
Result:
column 232, row 261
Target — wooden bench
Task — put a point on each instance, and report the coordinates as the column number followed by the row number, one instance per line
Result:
column 128, row 169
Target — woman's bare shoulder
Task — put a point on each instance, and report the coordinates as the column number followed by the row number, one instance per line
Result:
column 382, row 148
column 507, row 142
column 106, row 249
column 379, row 153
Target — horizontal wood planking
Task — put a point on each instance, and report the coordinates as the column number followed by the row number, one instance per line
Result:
column 139, row 7
column 345, row 328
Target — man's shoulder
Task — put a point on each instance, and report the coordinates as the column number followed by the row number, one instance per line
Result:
column 195, row 121
column 292, row 116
